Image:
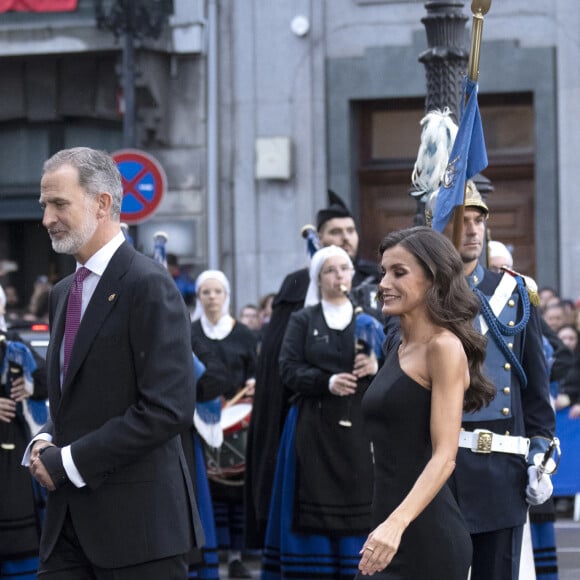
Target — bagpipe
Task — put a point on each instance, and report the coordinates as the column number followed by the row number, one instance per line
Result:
column 369, row 337
column 368, row 331
column 159, row 247
column 16, row 361
column 369, row 334
column 309, row 233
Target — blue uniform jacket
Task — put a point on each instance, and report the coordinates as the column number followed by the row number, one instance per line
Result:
column 490, row 488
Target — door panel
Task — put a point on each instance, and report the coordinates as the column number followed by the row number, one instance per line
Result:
column 384, row 182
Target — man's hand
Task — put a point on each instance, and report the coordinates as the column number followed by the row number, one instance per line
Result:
column 37, row 468
column 538, row 490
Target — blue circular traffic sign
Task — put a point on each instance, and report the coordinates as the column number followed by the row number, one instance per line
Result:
column 144, row 184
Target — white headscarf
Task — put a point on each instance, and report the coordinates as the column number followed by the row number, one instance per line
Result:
column 226, row 322
column 499, row 250
column 3, row 326
column 313, row 295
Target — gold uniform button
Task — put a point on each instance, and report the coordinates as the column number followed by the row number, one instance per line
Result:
column 505, row 411
column 511, row 323
column 507, row 433
column 511, row 303
column 507, row 366
column 506, row 390
column 510, row 345
column 475, row 280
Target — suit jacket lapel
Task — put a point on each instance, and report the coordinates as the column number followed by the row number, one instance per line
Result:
column 56, row 336
column 102, row 302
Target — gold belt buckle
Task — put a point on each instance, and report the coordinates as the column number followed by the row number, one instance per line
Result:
column 483, row 441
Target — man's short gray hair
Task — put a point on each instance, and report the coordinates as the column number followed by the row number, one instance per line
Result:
column 97, row 171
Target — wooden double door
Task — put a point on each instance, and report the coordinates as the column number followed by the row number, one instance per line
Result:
column 385, row 204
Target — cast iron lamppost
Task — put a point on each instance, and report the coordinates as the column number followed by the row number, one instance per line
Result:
column 133, row 21
column 445, row 62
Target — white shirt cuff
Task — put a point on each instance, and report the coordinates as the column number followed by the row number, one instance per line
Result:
column 71, row 469
column 26, row 457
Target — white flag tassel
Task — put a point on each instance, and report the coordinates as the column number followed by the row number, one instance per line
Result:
column 437, row 137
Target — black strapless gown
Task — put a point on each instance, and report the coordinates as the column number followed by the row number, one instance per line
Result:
column 437, row 545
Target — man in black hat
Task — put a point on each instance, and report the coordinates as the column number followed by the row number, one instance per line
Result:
column 335, row 226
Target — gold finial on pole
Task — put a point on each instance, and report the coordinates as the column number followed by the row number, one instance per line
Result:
column 479, row 8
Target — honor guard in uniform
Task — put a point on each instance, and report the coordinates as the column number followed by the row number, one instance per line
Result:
column 497, row 475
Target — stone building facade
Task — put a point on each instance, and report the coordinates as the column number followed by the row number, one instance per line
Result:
column 256, row 107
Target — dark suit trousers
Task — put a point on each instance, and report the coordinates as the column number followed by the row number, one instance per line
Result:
column 68, row 562
column 496, row 555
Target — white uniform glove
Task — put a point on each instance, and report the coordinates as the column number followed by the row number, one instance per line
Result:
column 538, row 490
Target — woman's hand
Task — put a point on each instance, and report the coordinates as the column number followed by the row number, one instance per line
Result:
column 250, row 387
column 342, row 384
column 365, row 365
column 7, row 410
column 381, row 546
column 574, row 412
column 18, row 392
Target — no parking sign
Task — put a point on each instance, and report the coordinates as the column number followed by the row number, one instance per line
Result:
column 144, row 184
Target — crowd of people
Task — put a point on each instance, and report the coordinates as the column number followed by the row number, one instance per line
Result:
column 392, row 419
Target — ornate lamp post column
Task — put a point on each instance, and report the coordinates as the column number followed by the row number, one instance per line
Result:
column 133, row 20
column 445, row 62
column 446, row 58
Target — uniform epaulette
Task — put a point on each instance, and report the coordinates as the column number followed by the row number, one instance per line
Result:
column 530, row 284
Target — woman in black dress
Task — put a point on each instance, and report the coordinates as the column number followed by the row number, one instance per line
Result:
column 413, row 410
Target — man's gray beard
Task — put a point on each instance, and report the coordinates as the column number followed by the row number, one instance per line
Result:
column 68, row 245
column 73, row 242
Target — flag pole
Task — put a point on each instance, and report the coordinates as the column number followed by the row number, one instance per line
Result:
column 479, row 8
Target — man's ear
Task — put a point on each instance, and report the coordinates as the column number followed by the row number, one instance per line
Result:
column 104, row 200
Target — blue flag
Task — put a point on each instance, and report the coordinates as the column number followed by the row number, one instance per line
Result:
column 468, row 157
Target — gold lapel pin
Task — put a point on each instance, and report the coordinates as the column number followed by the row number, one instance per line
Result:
column 112, row 297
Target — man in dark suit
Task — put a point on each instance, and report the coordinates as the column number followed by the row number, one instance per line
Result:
column 120, row 502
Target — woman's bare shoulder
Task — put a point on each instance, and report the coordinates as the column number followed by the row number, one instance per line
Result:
column 445, row 345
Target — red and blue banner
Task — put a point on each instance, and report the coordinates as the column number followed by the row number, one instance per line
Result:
column 38, row 5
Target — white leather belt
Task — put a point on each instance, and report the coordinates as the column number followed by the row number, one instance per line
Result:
column 483, row 441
